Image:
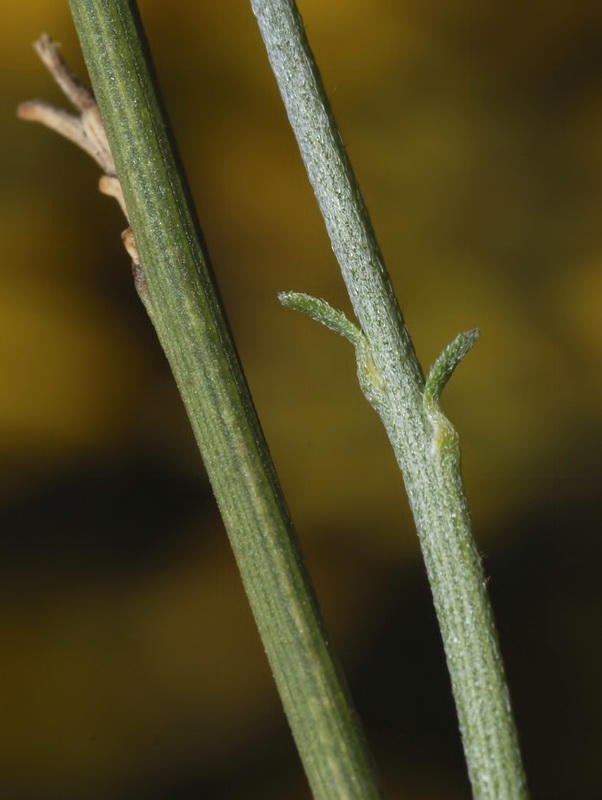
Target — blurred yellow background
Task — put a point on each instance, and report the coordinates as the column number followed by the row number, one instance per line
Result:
column 130, row 666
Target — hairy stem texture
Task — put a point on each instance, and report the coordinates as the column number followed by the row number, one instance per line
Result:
column 424, row 442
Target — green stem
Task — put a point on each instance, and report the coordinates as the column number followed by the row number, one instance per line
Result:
column 424, row 442
column 179, row 291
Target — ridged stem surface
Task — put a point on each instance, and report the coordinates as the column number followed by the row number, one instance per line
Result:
column 424, row 442
column 176, row 285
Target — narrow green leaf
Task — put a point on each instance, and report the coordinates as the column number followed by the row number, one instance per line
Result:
column 322, row 312
column 448, row 360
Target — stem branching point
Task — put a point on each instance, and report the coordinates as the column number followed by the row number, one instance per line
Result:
column 424, row 441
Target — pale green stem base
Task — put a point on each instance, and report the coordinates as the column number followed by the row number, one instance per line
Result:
column 425, row 443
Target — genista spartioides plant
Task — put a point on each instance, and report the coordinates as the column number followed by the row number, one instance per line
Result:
column 127, row 133
column 424, row 441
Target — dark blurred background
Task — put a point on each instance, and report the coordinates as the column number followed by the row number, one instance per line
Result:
column 129, row 663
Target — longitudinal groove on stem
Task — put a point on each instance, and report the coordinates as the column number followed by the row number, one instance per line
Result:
column 424, row 442
column 185, row 309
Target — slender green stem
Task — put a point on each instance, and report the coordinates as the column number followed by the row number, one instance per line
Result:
column 179, row 292
column 424, row 441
